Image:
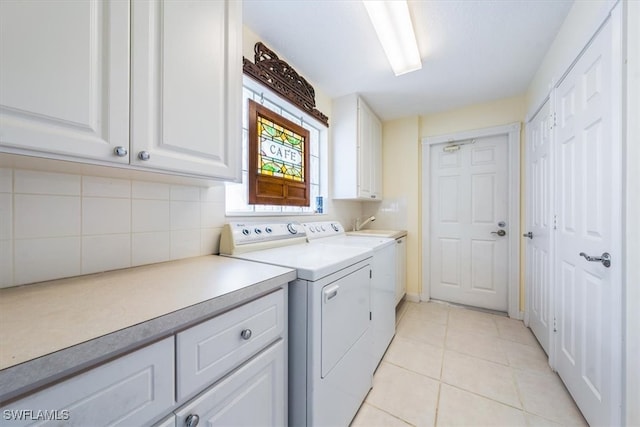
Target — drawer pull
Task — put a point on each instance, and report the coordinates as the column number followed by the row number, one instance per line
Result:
column 192, row 420
column 245, row 334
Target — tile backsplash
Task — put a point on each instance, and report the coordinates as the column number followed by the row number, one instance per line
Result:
column 55, row 225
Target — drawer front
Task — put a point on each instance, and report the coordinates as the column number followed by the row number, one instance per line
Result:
column 253, row 395
column 208, row 351
column 131, row 390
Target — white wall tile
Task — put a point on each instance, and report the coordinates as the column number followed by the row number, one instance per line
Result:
column 215, row 193
column 185, row 215
column 212, row 214
column 96, row 186
column 6, row 180
column 34, row 182
column 185, row 243
column 37, row 216
column 185, row 193
column 105, row 215
column 148, row 248
column 210, row 241
column 37, row 260
column 104, row 253
column 150, row 215
column 6, row 216
column 6, row 263
column 150, row 190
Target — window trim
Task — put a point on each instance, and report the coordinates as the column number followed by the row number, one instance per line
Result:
column 260, row 92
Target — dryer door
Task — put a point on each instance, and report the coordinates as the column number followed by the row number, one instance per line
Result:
column 345, row 315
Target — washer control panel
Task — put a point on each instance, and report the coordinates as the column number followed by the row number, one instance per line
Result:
column 246, row 232
column 321, row 229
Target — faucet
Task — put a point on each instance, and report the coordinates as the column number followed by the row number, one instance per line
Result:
column 357, row 226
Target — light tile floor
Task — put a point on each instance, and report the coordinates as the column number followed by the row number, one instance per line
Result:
column 451, row 366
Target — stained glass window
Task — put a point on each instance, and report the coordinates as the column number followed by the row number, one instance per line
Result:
column 278, row 159
column 281, row 152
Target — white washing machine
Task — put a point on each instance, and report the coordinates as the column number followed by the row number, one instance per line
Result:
column 383, row 283
column 329, row 318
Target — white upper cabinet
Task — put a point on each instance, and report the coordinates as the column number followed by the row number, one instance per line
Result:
column 187, row 87
column 64, row 78
column 67, row 83
column 357, row 150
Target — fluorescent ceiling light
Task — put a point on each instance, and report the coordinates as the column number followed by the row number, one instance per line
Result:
column 392, row 23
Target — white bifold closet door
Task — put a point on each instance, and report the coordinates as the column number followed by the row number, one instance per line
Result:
column 539, row 220
column 588, row 204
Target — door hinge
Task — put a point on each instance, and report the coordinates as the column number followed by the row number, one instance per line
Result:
column 555, row 222
column 370, row 316
column 554, row 120
column 370, row 274
column 555, row 325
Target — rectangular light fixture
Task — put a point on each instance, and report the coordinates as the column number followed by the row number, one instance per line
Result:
column 392, row 23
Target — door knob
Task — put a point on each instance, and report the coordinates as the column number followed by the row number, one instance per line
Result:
column 144, row 155
column 529, row 235
column 499, row 233
column 605, row 258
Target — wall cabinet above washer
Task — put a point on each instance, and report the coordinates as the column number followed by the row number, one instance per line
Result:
column 69, row 90
column 357, row 150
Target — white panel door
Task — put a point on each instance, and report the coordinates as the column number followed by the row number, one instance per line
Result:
column 588, row 348
column 539, row 223
column 187, row 87
column 469, row 201
column 64, row 78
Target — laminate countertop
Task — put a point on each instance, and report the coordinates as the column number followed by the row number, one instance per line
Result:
column 52, row 330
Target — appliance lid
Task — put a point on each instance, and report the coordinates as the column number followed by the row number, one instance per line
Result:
column 312, row 261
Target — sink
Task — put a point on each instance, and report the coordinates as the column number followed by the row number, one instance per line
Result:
column 394, row 234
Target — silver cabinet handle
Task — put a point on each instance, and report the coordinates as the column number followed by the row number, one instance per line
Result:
column 192, row 420
column 529, row 235
column 605, row 258
column 144, row 155
column 120, row 151
column 246, row 334
column 499, row 233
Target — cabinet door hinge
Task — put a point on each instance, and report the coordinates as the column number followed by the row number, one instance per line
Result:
column 555, row 325
column 370, row 316
column 553, row 121
column 370, row 274
column 555, row 222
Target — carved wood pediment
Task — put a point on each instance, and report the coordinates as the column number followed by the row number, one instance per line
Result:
column 279, row 76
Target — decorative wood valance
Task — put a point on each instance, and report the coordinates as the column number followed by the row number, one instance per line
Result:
column 279, row 76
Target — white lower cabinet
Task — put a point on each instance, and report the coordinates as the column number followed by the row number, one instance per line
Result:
column 232, row 367
column 252, row 395
column 132, row 390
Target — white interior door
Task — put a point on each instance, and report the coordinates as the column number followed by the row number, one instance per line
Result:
column 588, row 306
column 539, row 223
column 469, row 206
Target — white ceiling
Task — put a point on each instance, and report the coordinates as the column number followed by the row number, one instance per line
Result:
column 472, row 51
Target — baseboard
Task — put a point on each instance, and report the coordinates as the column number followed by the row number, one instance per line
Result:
column 412, row 297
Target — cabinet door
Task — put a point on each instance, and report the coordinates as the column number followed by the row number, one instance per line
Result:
column 364, row 150
column 253, row 395
column 187, row 87
column 131, row 390
column 64, row 78
column 376, row 158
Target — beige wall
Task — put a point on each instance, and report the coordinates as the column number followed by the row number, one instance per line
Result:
column 400, row 208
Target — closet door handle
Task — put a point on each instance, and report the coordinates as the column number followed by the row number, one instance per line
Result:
column 529, row 235
column 605, row 258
